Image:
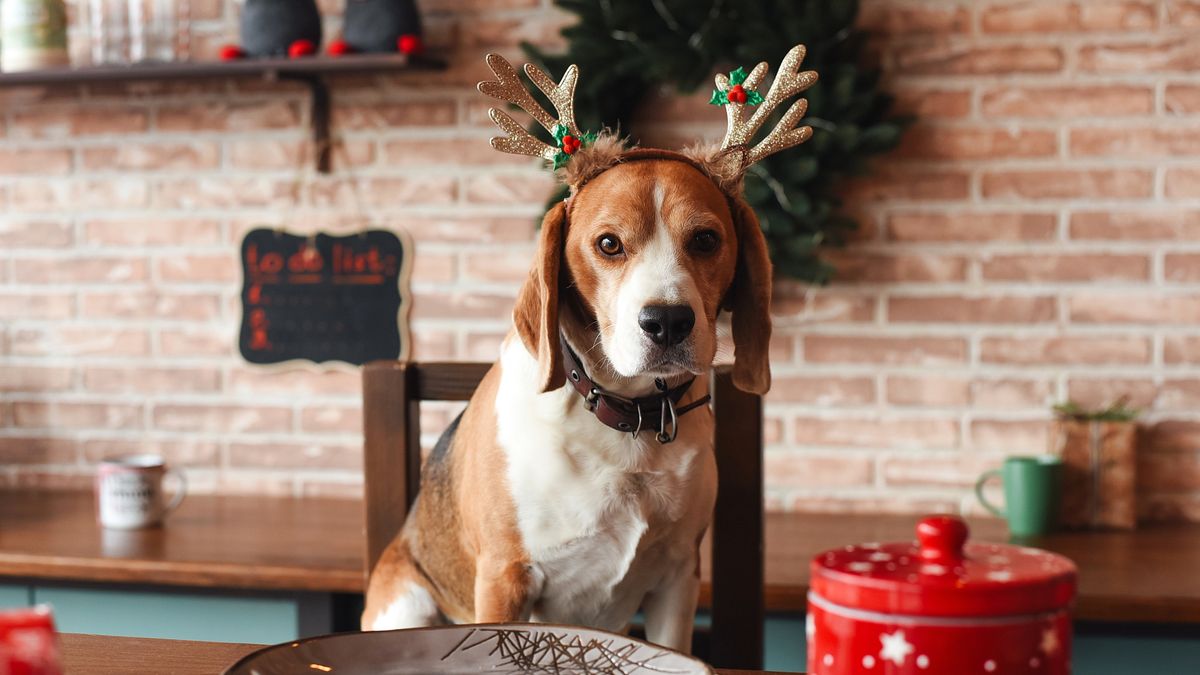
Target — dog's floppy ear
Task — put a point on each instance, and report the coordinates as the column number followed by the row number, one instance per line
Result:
column 536, row 313
column 749, row 299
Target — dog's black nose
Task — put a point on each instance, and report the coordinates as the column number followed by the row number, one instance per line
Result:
column 667, row 325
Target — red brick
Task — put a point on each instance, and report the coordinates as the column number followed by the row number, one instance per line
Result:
column 1170, row 436
column 35, row 233
column 319, row 488
column 158, row 231
column 388, row 192
column 296, row 382
column 1168, row 471
column 1181, row 349
column 1182, row 99
column 178, row 451
column 1183, row 182
column 862, row 267
column 506, row 265
column 1067, row 102
column 433, row 268
column 528, row 188
column 463, row 305
column 822, row 390
column 901, row 20
column 1135, row 142
column 295, row 455
column 198, row 268
column 966, row 143
column 944, row 469
column 25, row 305
column 1182, row 267
column 331, row 419
column 64, row 415
column 429, row 345
column 932, row 104
column 60, row 122
column 222, row 116
column 1139, row 308
column 381, row 114
column 1139, row 224
column 886, row 350
column 1009, row 393
column 1068, row 184
column 540, row 29
column 1118, row 15
column 481, row 345
column 34, row 161
column 223, row 419
column 890, row 183
column 968, row 59
column 1030, row 17
column 31, row 450
column 472, row 229
column 80, row 270
column 879, row 433
column 1015, row 437
column 926, row 391
column 197, row 342
column 1065, row 350
column 137, row 379
column 152, row 157
column 1067, row 267
column 1183, row 13
column 1092, row 392
column 266, row 154
column 66, row 340
column 960, row 226
column 34, row 378
column 219, row 192
column 958, row 309
column 426, row 152
column 807, row 469
column 1169, row 55
column 899, row 503
column 826, row 307
column 150, row 305
column 1179, row 394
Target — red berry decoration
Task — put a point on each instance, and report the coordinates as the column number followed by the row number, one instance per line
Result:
column 302, row 48
column 339, row 48
column 736, row 94
column 410, row 44
column 231, row 53
column 570, row 144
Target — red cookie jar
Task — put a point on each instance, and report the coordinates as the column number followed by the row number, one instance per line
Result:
column 940, row 606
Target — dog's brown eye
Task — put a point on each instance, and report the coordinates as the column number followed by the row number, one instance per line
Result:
column 609, row 245
column 705, row 241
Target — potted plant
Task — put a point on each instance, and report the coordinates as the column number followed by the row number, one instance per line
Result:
column 1099, row 451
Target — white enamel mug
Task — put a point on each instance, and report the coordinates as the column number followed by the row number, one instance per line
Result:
column 129, row 491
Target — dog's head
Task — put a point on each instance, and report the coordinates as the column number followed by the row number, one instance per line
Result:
column 647, row 253
column 652, row 244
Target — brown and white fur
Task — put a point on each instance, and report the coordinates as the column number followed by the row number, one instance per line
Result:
column 530, row 508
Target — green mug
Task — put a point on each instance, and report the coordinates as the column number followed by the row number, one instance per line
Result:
column 1031, row 493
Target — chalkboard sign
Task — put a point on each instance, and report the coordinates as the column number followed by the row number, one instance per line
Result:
column 323, row 298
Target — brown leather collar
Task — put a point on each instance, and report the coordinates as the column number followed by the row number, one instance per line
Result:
column 655, row 413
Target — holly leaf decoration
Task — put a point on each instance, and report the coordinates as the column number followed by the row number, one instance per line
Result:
column 753, row 97
column 560, row 131
column 561, row 159
column 737, row 77
column 718, row 98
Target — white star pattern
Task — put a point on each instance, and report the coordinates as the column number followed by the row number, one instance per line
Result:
column 989, row 666
column 895, row 648
column 922, row 662
column 934, row 569
column 860, row 566
column 879, row 557
column 828, row 660
column 1000, row 575
column 810, row 626
column 1049, row 642
column 868, row 662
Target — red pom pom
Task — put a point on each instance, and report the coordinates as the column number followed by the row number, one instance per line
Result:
column 736, row 94
column 410, row 43
column 570, row 144
column 231, row 53
column 339, row 48
column 302, row 48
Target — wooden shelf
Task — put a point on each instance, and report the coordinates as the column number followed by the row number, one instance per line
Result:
column 310, row 70
column 268, row 69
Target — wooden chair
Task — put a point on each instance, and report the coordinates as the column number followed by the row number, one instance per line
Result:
column 392, row 394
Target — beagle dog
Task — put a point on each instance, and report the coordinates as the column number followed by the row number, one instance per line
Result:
column 577, row 484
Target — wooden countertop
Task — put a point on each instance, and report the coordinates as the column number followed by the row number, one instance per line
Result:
column 270, row 543
column 102, row 655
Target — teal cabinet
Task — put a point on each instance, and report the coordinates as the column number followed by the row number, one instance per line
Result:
column 14, row 596
column 174, row 615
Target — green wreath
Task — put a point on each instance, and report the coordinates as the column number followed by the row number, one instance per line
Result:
column 629, row 47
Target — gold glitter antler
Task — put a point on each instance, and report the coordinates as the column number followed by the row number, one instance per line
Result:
column 508, row 87
column 788, row 82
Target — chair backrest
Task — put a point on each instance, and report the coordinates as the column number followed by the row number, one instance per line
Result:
column 393, row 391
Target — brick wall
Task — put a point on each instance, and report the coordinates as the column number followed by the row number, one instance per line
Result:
column 1037, row 237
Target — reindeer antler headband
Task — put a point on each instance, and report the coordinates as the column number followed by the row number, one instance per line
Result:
column 736, row 91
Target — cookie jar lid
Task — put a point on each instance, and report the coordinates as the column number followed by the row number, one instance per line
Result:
column 941, row 574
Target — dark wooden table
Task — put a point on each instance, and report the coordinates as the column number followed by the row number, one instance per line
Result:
column 268, row 543
column 100, row 655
